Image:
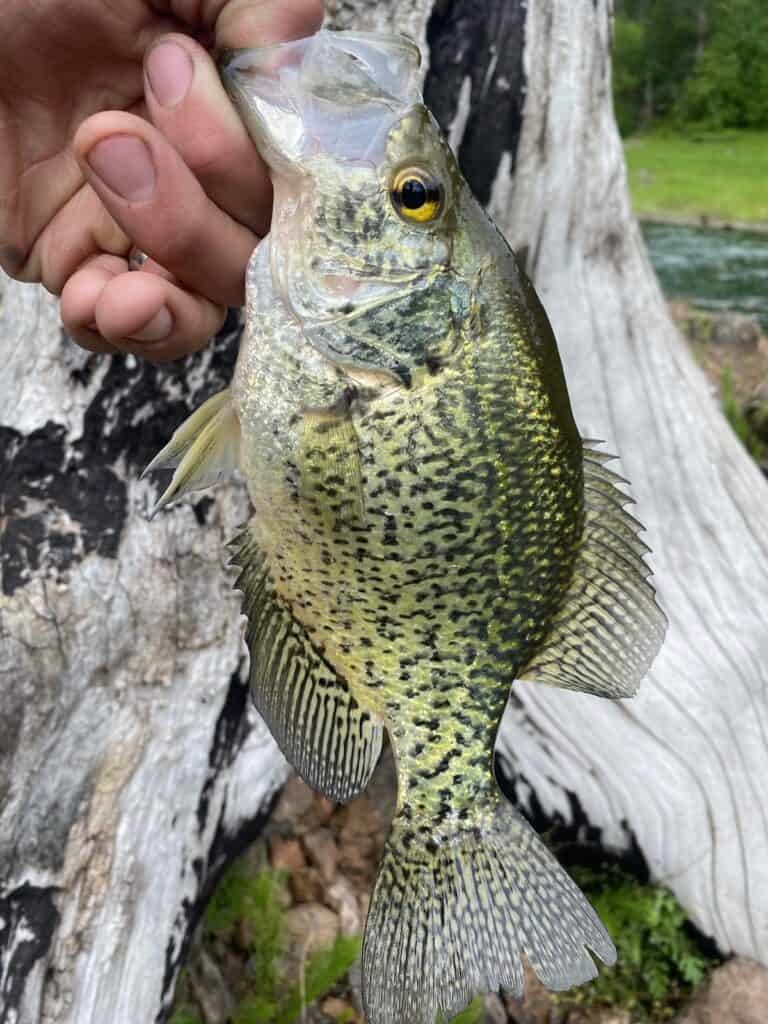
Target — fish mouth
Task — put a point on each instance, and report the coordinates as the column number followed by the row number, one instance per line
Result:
column 332, row 91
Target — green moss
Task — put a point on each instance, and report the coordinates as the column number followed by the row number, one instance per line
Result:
column 184, row 1015
column 659, row 960
column 257, row 900
column 472, row 1015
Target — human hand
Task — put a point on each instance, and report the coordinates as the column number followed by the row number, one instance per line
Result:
column 115, row 134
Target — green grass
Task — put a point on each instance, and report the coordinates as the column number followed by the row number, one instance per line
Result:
column 722, row 176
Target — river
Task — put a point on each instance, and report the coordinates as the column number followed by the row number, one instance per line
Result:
column 713, row 268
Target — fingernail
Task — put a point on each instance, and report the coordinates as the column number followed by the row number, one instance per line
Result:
column 169, row 70
column 124, row 164
column 157, row 328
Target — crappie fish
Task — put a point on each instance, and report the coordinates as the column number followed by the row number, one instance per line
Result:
column 428, row 525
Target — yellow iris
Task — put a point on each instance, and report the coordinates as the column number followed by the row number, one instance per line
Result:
column 417, row 195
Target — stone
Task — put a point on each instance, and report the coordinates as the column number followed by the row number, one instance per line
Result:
column 210, row 990
column 340, row 896
column 737, row 993
column 307, row 885
column 294, row 802
column 323, row 852
column 756, row 411
column 287, row 855
column 360, row 838
column 494, row 1012
column 336, row 1008
column 727, row 329
column 536, row 1006
column 737, row 330
column 309, row 928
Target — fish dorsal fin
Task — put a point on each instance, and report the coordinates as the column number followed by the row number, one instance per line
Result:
column 608, row 628
column 328, row 738
column 204, row 449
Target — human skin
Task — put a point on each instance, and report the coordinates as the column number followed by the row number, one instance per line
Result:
column 115, row 132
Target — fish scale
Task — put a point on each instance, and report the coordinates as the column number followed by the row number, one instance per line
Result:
column 428, row 526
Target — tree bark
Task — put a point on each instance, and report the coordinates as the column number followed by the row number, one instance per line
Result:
column 132, row 767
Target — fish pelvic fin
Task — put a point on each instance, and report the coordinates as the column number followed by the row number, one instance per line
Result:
column 204, row 450
column 328, row 738
column 456, row 907
column 608, row 628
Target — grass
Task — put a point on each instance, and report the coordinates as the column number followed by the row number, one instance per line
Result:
column 721, row 177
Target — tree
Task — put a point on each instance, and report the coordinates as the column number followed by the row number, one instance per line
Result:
column 729, row 86
column 131, row 765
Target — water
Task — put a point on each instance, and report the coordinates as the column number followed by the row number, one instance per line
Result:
column 713, row 268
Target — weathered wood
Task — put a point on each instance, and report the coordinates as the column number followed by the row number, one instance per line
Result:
column 131, row 767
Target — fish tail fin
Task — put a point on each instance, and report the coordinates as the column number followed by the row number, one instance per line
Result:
column 204, row 449
column 455, row 907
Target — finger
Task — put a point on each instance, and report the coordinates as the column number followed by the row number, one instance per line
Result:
column 156, row 199
column 107, row 309
column 79, row 297
column 249, row 23
column 153, row 318
column 188, row 104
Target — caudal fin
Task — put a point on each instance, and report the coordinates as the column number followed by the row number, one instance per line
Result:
column 452, row 914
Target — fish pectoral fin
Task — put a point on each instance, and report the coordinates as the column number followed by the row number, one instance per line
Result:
column 328, row 738
column 205, row 449
column 608, row 628
column 331, row 466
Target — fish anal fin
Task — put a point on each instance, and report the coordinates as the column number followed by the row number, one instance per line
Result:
column 205, row 449
column 324, row 733
column 608, row 628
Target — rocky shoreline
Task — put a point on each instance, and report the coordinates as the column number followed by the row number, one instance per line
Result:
column 327, row 856
column 704, row 220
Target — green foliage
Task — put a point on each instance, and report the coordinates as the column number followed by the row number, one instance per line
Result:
column 472, row 1015
column 323, row 970
column 629, row 60
column 658, row 960
column 256, row 899
column 702, row 62
column 729, row 86
column 734, row 413
column 184, row 1015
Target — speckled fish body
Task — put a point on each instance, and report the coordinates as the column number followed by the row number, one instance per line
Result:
column 428, row 524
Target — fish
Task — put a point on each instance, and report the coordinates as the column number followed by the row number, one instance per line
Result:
column 428, row 524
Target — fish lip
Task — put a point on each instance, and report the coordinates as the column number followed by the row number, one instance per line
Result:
column 265, row 61
column 225, row 56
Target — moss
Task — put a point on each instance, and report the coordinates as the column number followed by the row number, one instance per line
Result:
column 256, row 900
column 472, row 1015
column 184, row 1015
column 659, row 958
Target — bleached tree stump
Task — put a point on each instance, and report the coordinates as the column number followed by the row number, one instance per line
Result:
column 131, row 765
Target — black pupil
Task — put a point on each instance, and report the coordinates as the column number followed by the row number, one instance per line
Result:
column 413, row 194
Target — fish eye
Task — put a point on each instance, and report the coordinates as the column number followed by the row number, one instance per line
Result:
column 417, row 195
